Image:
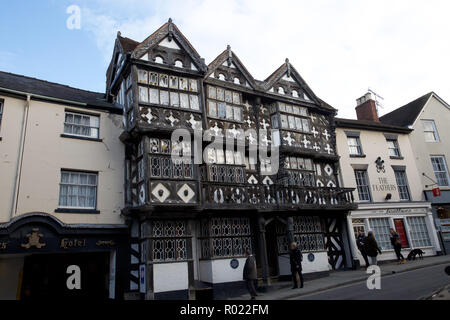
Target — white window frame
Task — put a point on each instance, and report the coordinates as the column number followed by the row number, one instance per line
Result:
column 358, row 146
column 366, row 177
column 61, row 184
column 444, row 163
column 395, row 148
column 90, row 126
column 435, row 132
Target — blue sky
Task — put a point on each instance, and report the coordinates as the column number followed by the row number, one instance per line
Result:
column 398, row 48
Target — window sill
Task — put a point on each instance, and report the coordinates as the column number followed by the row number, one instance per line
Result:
column 396, row 158
column 69, row 210
column 81, row 138
column 357, row 156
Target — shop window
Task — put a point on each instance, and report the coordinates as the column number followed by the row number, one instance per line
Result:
column 380, row 228
column 419, row 232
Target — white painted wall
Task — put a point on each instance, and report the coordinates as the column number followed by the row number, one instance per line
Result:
column 220, row 271
column 170, row 277
column 320, row 263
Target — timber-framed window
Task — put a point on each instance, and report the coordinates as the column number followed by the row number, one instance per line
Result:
column 78, row 190
column 224, row 104
column 170, row 240
column 168, row 90
column 293, row 117
column 300, row 171
column 225, row 237
column 161, row 164
column 81, row 125
column 307, row 233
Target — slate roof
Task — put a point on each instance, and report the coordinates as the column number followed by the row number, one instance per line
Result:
column 127, row 44
column 370, row 125
column 35, row 86
column 406, row 115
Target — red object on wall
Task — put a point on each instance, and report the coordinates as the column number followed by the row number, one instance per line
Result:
column 400, row 228
column 436, row 192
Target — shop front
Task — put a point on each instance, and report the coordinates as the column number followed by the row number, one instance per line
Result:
column 413, row 221
column 41, row 257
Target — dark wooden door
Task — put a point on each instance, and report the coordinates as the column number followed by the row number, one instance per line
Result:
column 400, row 228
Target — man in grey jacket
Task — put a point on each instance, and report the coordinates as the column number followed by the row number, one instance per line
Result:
column 250, row 274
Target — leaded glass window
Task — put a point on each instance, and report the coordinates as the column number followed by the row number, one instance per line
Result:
column 169, row 241
column 225, row 237
column 380, row 228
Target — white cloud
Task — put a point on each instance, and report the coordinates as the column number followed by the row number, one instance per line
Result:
column 398, row 48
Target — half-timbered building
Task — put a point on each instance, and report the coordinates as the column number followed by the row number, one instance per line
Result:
column 191, row 221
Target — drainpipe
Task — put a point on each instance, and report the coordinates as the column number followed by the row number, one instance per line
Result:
column 20, row 158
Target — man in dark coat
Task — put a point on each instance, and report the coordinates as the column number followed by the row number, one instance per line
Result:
column 360, row 243
column 250, row 274
column 296, row 258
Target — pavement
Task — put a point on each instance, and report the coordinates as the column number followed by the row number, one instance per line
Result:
column 336, row 279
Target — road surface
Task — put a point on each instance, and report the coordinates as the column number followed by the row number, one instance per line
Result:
column 409, row 285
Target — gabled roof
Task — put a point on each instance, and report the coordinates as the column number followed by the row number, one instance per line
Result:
column 406, row 115
column 230, row 57
column 171, row 30
column 288, row 68
column 16, row 82
column 127, row 44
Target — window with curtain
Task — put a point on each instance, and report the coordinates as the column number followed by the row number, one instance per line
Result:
column 419, row 232
column 83, row 125
column 78, row 190
column 380, row 228
column 440, row 170
column 402, row 184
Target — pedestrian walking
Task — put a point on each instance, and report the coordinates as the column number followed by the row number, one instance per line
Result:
column 371, row 247
column 397, row 244
column 360, row 243
column 296, row 257
column 250, row 274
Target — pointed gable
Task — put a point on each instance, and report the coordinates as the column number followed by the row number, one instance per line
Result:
column 287, row 81
column 168, row 45
column 228, row 67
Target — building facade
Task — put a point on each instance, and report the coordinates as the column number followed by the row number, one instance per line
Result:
column 61, row 191
column 192, row 221
column 378, row 160
column 429, row 116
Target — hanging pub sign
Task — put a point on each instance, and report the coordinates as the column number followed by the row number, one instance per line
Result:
column 436, row 192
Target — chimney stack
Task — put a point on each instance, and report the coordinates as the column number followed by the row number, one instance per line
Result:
column 366, row 108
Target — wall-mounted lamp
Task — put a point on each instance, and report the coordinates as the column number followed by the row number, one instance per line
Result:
column 388, row 196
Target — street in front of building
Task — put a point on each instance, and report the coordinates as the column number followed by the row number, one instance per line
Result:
column 410, row 285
